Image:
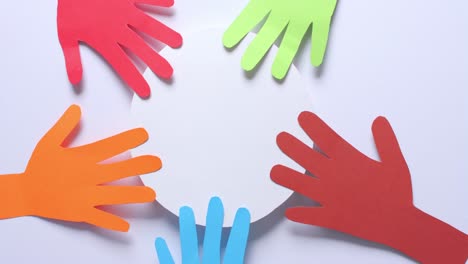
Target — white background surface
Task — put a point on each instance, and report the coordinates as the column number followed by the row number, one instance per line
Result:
column 405, row 60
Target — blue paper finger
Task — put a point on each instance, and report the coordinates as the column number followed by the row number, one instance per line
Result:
column 214, row 228
column 188, row 236
column 237, row 242
column 164, row 255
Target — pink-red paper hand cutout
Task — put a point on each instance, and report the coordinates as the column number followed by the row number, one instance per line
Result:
column 107, row 26
column 69, row 183
column 363, row 197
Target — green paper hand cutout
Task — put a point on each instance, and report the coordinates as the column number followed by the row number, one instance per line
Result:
column 296, row 16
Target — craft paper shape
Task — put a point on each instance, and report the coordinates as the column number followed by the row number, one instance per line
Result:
column 215, row 132
column 363, row 197
column 236, row 245
column 108, row 27
column 294, row 17
column 67, row 183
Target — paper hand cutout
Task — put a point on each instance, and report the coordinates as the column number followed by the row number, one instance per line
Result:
column 235, row 249
column 107, row 26
column 66, row 183
column 296, row 16
column 363, row 197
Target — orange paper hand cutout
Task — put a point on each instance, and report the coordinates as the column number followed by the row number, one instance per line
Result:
column 363, row 197
column 66, row 183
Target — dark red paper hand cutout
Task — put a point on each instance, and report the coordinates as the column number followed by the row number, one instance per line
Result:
column 363, row 197
column 107, row 26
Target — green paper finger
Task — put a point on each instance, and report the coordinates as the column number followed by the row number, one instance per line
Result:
column 320, row 31
column 273, row 27
column 248, row 19
column 288, row 49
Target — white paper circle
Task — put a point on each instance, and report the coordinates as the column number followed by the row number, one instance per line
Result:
column 215, row 128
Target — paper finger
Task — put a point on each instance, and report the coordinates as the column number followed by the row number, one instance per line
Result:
column 188, row 236
column 244, row 23
column 299, row 182
column 106, row 220
column 387, row 143
column 63, row 127
column 124, row 67
column 238, row 237
column 306, row 157
column 157, row 64
column 213, row 231
column 320, row 32
column 156, row 29
column 316, row 216
column 73, row 63
column 289, row 46
column 115, row 195
column 163, row 3
column 332, row 144
column 128, row 168
column 113, row 146
column 164, row 255
column 273, row 27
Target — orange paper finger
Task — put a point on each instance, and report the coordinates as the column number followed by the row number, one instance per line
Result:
column 65, row 183
column 64, row 126
column 106, row 220
column 131, row 167
column 113, row 195
column 113, row 146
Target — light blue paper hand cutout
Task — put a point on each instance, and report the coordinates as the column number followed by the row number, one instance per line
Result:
column 237, row 242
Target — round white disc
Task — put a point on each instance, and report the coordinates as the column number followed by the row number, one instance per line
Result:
column 214, row 126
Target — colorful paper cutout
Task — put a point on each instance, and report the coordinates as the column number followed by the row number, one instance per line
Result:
column 296, row 16
column 363, row 197
column 109, row 26
column 236, row 245
column 67, row 183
